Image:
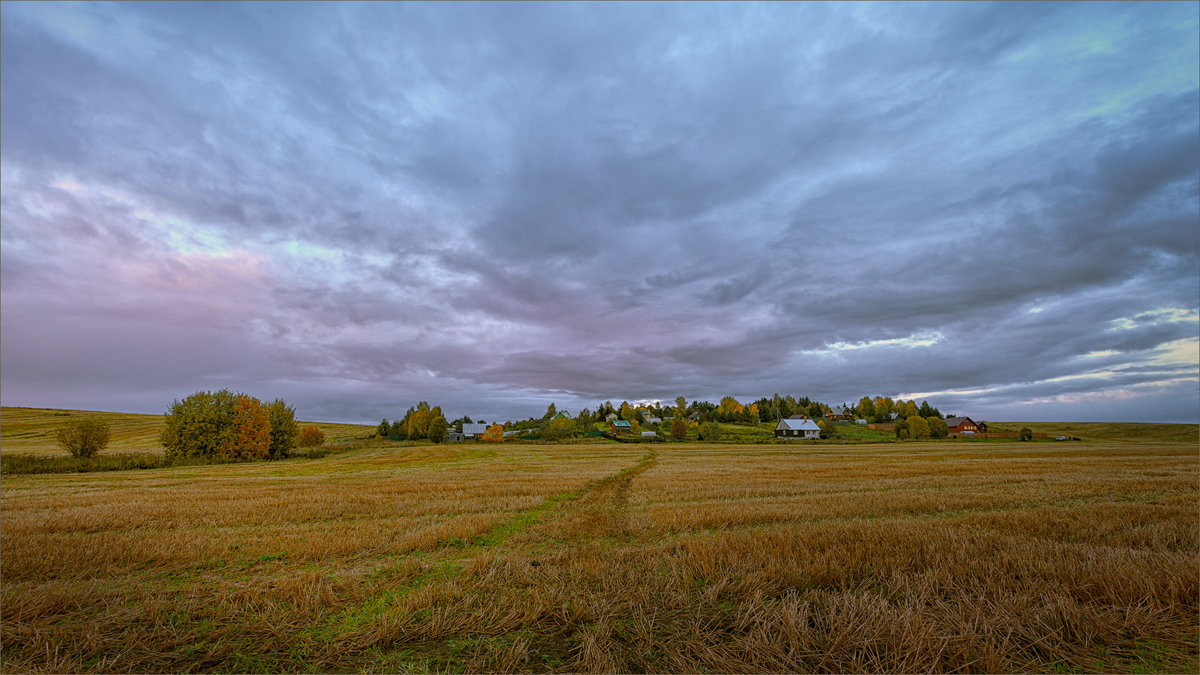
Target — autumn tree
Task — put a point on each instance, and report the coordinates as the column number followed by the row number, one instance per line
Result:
column 749, row 415
column 310, row 437
column 626, row 411
column 494, row 434
column 551, row 411
column 198, row 426
column 884, row 407
column 918, row 427
column 908, row 409
column 728, row 409
column 927, row 411
column 249, row 435
column 84, row 437
column 680, row 407
column 383, row 429
column 282, row 419
column 679, row 427
column 437, row 429
column 1026, row 434
column 866, row 408
column 937, row 427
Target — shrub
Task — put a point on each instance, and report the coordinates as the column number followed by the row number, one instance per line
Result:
column 828, row 428
column 709, row 431
column 1026, row 434
column 85, row 437
column 310, row 437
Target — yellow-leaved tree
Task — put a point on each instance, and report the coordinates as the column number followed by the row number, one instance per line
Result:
column 494, row 434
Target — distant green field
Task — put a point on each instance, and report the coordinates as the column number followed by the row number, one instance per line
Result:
column 32, row 430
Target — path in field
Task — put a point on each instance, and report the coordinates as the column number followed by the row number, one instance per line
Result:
column 532, row 548
column 601, row 512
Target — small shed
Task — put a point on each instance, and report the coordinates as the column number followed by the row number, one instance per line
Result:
column 453, row 436
column 860, row 421
column 648, row 434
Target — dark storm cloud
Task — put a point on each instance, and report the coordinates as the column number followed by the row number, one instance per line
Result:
column 494, row 206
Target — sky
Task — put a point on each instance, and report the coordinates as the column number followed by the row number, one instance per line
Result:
column 491, row 207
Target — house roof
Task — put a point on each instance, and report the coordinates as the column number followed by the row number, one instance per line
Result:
column 474, row 428
column 955, row 421
column 798, row 425
column 620, row 423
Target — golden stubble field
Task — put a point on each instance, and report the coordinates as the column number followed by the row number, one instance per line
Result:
column 916, row 557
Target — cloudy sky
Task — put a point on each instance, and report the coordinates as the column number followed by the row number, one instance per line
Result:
column 496, row 206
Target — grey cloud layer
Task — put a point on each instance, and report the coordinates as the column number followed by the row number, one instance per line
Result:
column 495, row 206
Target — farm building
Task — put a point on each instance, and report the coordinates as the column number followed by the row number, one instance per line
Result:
column 860, row 422
column 453, row 436
column 963, row 425
column 797, row 429
column 651, row 419
column 473, row 429
column 621, row 427
column 648, row 434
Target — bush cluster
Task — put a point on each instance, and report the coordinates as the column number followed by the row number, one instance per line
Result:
column 84, row 438
column 311, row 437
column 229, row 425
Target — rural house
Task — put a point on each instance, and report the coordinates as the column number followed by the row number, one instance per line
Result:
column 473, row 429
column 962, row 425
column 840, row 412
column 797, row 429
column 621, row 427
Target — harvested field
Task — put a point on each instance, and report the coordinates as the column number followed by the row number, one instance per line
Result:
column 898, row 557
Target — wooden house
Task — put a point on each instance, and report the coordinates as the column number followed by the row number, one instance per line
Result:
column 797, row 429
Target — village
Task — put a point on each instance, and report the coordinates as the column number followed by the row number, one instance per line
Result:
column 779, row 418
